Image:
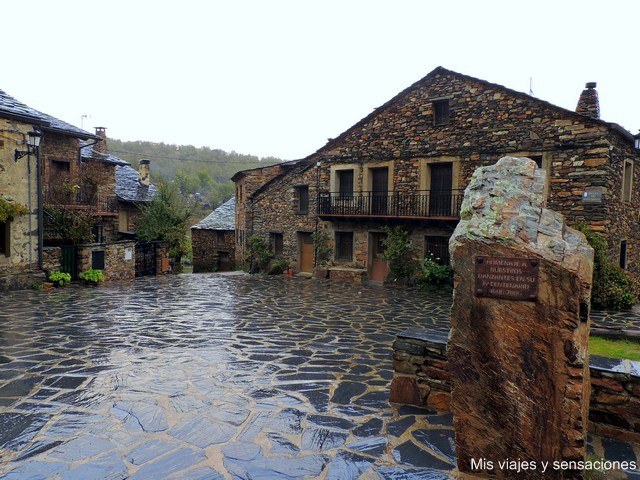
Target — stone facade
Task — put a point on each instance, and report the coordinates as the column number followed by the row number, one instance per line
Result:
column 18, row 185
column 585, row 159
column 207, row 246
column 119, row 259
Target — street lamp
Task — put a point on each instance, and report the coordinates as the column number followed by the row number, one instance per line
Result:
column 33, row 143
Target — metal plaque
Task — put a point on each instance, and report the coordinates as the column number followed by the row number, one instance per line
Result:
column 507, row 278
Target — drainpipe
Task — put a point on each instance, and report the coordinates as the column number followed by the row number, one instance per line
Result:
column 30, row 210
column 315, row 246
column 88, row 145
column 40, row 207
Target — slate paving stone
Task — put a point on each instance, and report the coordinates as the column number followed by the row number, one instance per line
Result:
column 616, row 450
column 202, row 432
column 346, row 391
column 372, row 446
column 318, row 439
column 181, row 459
column 297, row 371
column 331, row 422
column 408, row 453
column 370, row 428
column 18, row 429
column 440, row 441
column 398, row 427
column 348, row 466
column 150, row 450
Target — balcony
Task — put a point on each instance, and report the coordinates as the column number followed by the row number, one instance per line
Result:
column 420, row 205
column 88, row 201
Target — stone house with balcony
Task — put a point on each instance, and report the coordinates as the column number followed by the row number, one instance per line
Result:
column 408, row 162
column 21, row 248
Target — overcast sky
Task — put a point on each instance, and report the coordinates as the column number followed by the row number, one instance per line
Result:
column 279, row 77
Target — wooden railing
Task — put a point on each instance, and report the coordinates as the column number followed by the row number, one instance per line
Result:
column 82, row 200
column 420, row 204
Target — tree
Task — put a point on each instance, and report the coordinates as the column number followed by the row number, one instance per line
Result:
column 165, row 218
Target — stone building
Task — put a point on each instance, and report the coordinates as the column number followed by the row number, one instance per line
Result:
column 213, row 240
column 133, row 189
column 408, row 162
column 21, row 237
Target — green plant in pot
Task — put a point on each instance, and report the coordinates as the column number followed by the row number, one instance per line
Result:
column 92, row 276
column 60, row 279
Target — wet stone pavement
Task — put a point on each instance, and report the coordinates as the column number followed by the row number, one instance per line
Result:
column 200, row 377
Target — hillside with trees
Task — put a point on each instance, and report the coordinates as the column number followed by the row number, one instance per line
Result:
column 202, row 171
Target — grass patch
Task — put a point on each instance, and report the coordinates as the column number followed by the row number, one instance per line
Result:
column 624, row 349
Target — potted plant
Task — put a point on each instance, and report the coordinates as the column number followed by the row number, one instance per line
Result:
column 92, row 276
column 60, row 279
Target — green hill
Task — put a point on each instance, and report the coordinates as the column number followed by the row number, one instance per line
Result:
column 196, row 170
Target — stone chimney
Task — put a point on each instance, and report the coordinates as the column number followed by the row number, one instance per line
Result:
column 588, row 103
column 144, row 176
column 101, row 146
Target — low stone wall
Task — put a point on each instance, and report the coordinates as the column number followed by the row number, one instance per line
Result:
column 614, row 410
column 353, row 275
column 421, row 377
column 119, row 259
column 51, row 258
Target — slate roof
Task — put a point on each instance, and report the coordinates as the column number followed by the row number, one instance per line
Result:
column 88, row 152
column 129, row 189
column 222, row 218
column 12, row 108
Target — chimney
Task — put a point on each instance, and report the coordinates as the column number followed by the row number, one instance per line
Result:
column 144, row 172
column 101, row 146
column 588, row 103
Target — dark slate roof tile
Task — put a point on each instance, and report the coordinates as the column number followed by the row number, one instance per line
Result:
column 129, row 189
column 222, row 218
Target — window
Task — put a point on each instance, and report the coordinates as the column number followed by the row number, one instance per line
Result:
column 302, row 198
column 627, row 180
column 623, row 254
column 345, row 182
column 97, row 232
column 537, row 159
column 438, row 247
column 4, row 238
column 276, row 242
column 219, row 236
column 97, row 259
column 344, row 246
column 441, row 112
column 60, row 168
column 123, row 220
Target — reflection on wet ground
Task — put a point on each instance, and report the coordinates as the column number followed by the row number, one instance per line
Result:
column 211, row 377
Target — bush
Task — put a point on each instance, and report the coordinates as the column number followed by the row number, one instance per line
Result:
column 258, row 254
column 399, row 252
column 60, row 279
column 321, row 246
column 92, row 276
column 612, row 286
column 435, row 276
column 278, row 266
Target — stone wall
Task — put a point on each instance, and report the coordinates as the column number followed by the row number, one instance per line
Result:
column 421, row 377
column 51, row 259
column 19, row 187
column 206, row 245
column 117, row 267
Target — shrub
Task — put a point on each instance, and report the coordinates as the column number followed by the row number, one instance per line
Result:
column 612, row 286
column 60, row 279
column 321, row 246
column 92, row 276
column 258, row 254
column 399, row 252
column 435, row 276
column 277, row 266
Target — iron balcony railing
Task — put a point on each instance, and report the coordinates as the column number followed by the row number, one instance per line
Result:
column 82, row 200
column 420, row 204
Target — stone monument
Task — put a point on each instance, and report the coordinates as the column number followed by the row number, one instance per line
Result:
column 519, row 329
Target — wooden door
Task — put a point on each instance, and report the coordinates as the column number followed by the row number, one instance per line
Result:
column 224, row 262
column 379, row 190
column 440, row 195
column 306, row 252
column 378, row 268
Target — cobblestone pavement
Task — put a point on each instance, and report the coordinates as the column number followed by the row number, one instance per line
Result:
column 210, row 377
